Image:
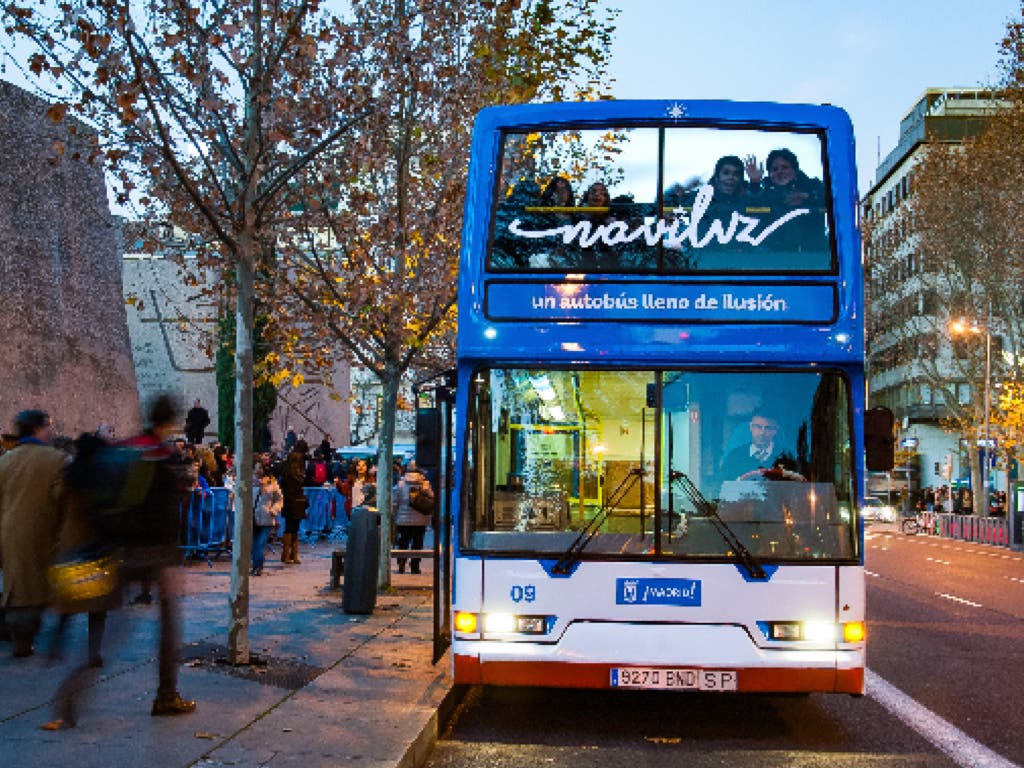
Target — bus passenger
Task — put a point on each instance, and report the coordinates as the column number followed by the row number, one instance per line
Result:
column 731, row 195
column 558, row 193
column 596, row 196
column 509, row 250
column 727, row 181
column 597, row 255
column 787, row 188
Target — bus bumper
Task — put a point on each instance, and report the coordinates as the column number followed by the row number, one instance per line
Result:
column 592, row 655
column 472, row 670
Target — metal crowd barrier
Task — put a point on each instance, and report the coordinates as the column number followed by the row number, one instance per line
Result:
column 983, row 530
column 325, row 515
column 206, row 524
column 207, row 520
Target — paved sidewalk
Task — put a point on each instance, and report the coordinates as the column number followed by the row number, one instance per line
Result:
column 331, row 690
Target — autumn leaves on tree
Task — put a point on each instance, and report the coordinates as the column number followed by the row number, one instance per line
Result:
column 314, row 152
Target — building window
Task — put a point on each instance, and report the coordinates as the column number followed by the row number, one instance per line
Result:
column 963, row 394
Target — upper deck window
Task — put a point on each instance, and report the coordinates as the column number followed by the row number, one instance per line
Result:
column 670, row 200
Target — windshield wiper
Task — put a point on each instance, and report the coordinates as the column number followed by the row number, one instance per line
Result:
column 706, row 509
column 572, row 554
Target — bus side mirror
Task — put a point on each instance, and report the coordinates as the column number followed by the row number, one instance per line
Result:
column 879, row 439
column 428, row 438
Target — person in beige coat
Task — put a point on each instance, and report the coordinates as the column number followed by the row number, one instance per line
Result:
column 30, row 491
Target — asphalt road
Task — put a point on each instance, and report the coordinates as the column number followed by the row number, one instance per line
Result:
column 945, row 629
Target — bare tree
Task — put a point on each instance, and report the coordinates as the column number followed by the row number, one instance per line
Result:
column 371, row 263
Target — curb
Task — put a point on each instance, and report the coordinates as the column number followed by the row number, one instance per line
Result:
column 423, row 745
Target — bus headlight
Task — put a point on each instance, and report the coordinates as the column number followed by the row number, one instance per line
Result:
column 820, row 631
column 499, row 622
column 502, row 624
column 815, row 631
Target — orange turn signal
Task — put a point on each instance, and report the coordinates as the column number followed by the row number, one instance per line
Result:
column 465, row 622
column 854, row 632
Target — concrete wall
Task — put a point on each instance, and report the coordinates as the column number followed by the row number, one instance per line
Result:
column 172, row 329
column 65, row 345
column 173, row 332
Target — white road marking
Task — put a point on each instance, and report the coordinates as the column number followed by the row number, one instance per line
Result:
column 947, row 738
column 956, row 599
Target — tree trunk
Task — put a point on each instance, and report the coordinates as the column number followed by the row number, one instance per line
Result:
column 241, row 550
column 385, row 480
column 977, row 492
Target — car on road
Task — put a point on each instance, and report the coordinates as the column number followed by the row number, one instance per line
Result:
column 874, row 510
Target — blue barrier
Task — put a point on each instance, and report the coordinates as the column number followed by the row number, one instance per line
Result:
column 207, row 523
column 208, row 519
column 325, row 515
column 326, row 518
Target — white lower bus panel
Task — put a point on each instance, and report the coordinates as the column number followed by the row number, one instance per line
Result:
column 707, row 628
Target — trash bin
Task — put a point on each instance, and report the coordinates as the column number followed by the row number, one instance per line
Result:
column 362, row 555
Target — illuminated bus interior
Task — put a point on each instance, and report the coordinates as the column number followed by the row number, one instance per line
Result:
column 656, row 455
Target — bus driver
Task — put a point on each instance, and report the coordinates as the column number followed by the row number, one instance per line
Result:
column 747, row 461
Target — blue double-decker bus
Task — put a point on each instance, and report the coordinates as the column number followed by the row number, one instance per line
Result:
column 659, row 441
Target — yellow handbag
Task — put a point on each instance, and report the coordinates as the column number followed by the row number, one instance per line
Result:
column 82, row 577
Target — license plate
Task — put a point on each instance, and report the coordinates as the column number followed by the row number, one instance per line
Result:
column 661, row 678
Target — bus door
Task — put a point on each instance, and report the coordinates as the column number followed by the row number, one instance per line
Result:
column 435, row 405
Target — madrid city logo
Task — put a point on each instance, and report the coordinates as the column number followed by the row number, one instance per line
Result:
column 629, row 590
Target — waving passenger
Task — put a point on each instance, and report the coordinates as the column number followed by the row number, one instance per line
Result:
column 787, row 189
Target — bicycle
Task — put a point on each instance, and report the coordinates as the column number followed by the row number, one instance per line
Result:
column 911, row 526
column 916, row 524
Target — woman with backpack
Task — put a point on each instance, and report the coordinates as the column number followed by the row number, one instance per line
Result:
column 413, row 502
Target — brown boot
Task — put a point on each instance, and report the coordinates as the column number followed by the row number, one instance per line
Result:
column 286, row 547
column 295, row 549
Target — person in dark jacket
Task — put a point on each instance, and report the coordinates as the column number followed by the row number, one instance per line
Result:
column 196, row 422
column 293, row 481
column 78, row 534
column 410, row 523
column 150, row 539
column 787, row 189
column 745, row 461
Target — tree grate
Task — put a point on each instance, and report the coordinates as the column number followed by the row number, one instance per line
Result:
column 279, row 672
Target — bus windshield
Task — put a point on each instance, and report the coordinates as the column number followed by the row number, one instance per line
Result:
column 662, row 200
column 550, row 450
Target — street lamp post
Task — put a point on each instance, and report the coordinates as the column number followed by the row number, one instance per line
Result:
column 988, row 403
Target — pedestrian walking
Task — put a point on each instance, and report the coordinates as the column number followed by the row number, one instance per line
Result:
column 80, row 541
column 30, row 491
column 149, row 536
